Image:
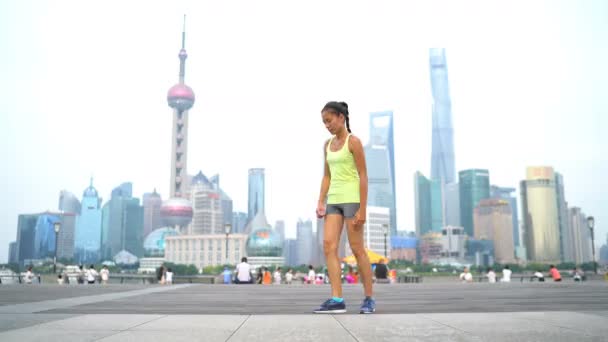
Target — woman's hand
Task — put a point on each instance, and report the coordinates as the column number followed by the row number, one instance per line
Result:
column 360, row 218
column 320, row 209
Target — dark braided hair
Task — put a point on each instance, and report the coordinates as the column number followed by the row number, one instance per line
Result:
column 338, row 108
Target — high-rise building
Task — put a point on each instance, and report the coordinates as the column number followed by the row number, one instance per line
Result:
column 239, row 221
column 13, row 258
column 474, row 186
column 565, row 233
column 256, row 192
column 206, row 201
column 380, row 160
column 442, row 159
column 305, row 242
column 225, row 200
column 290, row 252
column 122, row 224
column 581, row 236
column 540, row 213
column 26, row 235
column 453, row 244
column 152, row 203
column 451, row 194
column 68, row 202
column 603, row 253
column 279, row 227
column 506, row 194
column 493, row 220
column 44, row 241
column 87, row 237
column 428, row 204
column 377, row 220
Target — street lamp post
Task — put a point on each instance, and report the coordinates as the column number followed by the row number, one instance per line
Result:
column 227, row 229
column 57, row 227
column 385, row 232
column 591, row 225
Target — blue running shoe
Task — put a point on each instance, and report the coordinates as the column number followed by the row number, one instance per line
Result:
column 368, row 306
column 330, row 306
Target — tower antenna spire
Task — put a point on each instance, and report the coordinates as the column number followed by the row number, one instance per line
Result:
column 184, row 34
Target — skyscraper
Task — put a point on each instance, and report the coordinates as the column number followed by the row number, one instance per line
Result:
column 207, row 207
column 506, row 194
column 380, row 160
column 12, row 253
column 87, row 237
column 256, row 192
column 493, row 220
column 305, row 241
column 152, row 203
column 565, row 233
column 428, row 204
column 539, row 209
column 26, row 235
column 122, row 223
column 442, row 158
column 68, row 202
column 239, row 221
column 474, row 186
column 44, row 241
column 226, row 201
column 451, row 195
column 581, row 237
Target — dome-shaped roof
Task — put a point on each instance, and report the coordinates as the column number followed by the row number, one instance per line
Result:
column 90, row 192
column 176, row 211
column 154, row 244
column 180, row 91
column 264, row 242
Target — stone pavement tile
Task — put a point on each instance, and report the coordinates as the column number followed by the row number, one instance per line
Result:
column 585, row 323
column 17, row 321
column 44, row 335
column 98, row 323
column 163, row 336
column 400, row 328
column 211, row 327
column 316, row 328
column 511, row 326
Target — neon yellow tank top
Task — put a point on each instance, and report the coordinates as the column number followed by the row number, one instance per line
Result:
column 344, row 183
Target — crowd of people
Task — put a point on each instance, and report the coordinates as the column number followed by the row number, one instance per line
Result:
column 554, row 274
column 244, row 273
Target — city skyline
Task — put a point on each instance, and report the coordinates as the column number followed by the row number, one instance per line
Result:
column 530, row 110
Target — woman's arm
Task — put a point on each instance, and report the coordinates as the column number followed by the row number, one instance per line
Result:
column 355, row 146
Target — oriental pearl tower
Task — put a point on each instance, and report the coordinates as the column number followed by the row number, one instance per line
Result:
column 177, row 210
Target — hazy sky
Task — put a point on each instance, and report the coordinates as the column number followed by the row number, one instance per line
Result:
column 83, row 92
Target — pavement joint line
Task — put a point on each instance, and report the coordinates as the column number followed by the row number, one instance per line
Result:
column 238, row 328
column 63, row 303
column 447, row 325
column 343, row 327
column 128, row 329
column 556, row 325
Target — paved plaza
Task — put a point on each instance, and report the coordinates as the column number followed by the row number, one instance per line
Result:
column 406, row 312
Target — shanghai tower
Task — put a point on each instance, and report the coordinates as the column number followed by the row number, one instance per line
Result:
column 442, row 158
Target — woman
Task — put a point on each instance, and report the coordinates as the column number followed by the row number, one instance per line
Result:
column 343, row 198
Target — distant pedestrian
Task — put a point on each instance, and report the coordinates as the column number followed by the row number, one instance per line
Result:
column 80, row 278
column 466, row 276
column 60, row 279
column 555, row 273
column 29, row 275
column 91, row 274
column 538, row 275
column 169, row 276
column 491, row 275
column 105, row 275
column 227, row 275
column 289, row 276
column 243, row 273
column 266, row 276
column 311, row 275
column 277, row 276
column 506, row 274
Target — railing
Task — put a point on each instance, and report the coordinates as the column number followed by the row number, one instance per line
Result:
column 151, row 278
column 20, row 278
